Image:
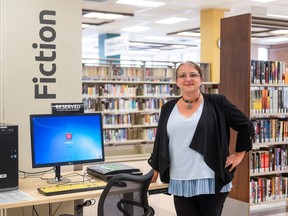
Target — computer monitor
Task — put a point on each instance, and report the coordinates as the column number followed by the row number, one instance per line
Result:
column 68, row 139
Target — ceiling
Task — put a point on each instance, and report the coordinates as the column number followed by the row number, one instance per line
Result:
column 188, row 9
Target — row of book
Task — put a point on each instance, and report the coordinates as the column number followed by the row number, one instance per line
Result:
column 127, row 71
column 147, row 134
column 160, row 72
column 131, row 119
column 96, row 72
column 123, row 104
column 128, row 90
column 268, row 72
column 265, row 189
column 122, row 135
column 269, row 159
column 109, row 89
column 269, row 99
column 269, row 130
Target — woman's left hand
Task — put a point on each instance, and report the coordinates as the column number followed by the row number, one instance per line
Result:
column 234, row 159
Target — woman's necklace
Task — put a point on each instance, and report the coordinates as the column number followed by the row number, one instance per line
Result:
column 189, row 102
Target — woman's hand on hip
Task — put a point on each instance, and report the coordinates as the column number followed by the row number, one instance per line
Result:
column 234, row 159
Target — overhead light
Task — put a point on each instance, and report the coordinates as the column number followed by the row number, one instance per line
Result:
column 141, row 3
column 94, row 15
column 189, row 34
column 263, row 1
column 280, row 31
column 154, row 50
column 177, row 46
column 136, row 44
column 279, row 39
column 278, row 16
column 171, row 20
column 85, row 25
column 136, row 28
column 159, row 38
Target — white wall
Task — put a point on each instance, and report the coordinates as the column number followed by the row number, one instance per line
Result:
column 60, row 31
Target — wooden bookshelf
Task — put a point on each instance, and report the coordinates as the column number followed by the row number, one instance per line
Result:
column 237, row 84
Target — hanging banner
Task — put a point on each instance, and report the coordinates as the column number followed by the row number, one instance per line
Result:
column 116, row 45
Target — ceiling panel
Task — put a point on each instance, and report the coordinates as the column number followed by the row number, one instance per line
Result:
column 189, row 9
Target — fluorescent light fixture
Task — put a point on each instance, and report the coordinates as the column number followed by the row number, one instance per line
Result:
column 136, row 44
column 263, row 1
column 154, row 50
column 280, row 31
column 189, row 34
column 85, row 25
column 98, row 15
column 159, row 38
column 171, row 20
column 279, row 39
column 136, row 29
column 278, row 16
column 178, row 46
column 141, row 3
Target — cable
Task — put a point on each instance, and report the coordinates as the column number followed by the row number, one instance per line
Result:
column 79, row 208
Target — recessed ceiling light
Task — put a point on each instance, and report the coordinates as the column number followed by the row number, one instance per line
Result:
column 178, row 46
column 141, row 3
column 154, row 50
column 263, row 1
column 171, row 20
column 278, row 16
column 98, row 15
column 135, row 28
column 159, row 38
column 85, row 25
column 136, row 44
column 280, row 31
column 279, row 39
column 189, row 34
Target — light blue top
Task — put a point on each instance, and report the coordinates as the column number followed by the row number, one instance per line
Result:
column 189, row 174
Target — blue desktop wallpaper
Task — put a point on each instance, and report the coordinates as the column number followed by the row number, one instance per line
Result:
column 67, row 139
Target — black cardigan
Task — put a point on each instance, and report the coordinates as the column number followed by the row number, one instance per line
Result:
column 211, row 138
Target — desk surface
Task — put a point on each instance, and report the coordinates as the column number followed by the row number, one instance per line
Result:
column 30, row 185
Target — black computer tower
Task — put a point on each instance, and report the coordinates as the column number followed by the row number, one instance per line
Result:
column 8, row 157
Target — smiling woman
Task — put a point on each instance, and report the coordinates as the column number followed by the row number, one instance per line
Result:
column 191, row 148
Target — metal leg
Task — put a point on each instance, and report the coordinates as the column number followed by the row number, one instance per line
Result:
column 3, row 212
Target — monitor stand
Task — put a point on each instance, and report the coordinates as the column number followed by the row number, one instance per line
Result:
column 58, row 178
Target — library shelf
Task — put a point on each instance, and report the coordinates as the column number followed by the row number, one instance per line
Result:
column 129, row 94
column 262, row 175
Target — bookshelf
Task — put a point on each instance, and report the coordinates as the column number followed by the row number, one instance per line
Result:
column 130, row 94
column 262, row 95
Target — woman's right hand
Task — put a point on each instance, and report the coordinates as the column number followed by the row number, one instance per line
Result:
column 155, row 176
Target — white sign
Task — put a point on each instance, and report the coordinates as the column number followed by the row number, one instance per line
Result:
column 116, row 45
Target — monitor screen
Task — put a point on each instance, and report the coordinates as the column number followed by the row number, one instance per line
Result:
column 66, row 139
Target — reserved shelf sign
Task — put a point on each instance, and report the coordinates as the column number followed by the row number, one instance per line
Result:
column 61, row 108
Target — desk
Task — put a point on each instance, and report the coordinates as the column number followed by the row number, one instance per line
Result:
column 30, row 185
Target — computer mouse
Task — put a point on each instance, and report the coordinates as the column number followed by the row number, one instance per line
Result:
column 120, row 184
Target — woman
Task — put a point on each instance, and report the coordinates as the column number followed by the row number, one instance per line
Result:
column 191, row 149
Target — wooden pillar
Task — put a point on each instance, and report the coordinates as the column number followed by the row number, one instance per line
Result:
column 210, row 34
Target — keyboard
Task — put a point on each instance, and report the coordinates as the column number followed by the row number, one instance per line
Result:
column 71, row 188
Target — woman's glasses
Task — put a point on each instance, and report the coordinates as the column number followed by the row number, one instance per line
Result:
column 191, row 75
